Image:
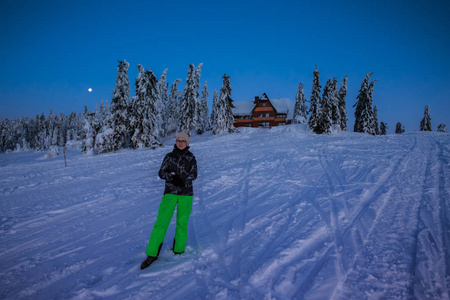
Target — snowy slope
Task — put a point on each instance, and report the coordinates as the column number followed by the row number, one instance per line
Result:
column 278, row 214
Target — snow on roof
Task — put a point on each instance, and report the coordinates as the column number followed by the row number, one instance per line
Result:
column 243, row 108
column 283, row 106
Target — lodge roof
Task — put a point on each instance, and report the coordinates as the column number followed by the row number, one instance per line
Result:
column 283, row 106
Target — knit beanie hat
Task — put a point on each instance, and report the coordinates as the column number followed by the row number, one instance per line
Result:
column 184, row 136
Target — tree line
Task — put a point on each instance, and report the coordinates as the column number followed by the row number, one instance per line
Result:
column 328, row 113
column 156, row 112
column 139, row 121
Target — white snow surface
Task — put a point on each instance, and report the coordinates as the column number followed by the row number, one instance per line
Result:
column 278, row 214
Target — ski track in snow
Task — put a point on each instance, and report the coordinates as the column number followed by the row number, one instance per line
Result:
column 277, row 214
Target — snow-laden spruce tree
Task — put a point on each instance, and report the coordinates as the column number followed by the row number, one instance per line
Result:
column 145, row 110
column 399, row 128
column 171, row 115
column 370, row 94
column 42, row 139
column 314, row 109
column 119, row 108
column 383, row 128
column 203, row 124
column 52, row 128
column 186, row 110
column 104, row 137
column 7, row 140
column 91, row 127
column 97, row 121
column 138, row 107
column 375, row 120
column 364, row 119
column 161, row 103
column 425, row 123
column 224, row 115
column 73, row 127
column 342, row 106
column 300, row 109
column 88, row 141
column 104, row 110
column 326, row 110
column 334, row 104
column 212, row 119
column 197, row 116
column 442, row 128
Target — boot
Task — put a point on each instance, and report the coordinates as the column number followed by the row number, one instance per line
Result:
column 148, row 262
column 173, row 249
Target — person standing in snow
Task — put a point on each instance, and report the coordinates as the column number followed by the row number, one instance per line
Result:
column 178, row 169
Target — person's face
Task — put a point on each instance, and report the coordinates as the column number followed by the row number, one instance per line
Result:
column 181, row 143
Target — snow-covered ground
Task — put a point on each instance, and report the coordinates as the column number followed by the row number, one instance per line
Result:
column 278, row 214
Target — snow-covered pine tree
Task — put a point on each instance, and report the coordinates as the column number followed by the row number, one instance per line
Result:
column 105, row 113
column 40, row 131
column 72, row 127
column 144, row 111
column 300, row 109
column 34, row 132
column 119, row 107
column 62, row 130
column 43, row 136
column 97, row 121
column 103, row 133
column 224, row 115
column 21, row 131
column 342, row 106
column 204, row 112
column 171, row 115
column 399, row 128
column 88, row 141
column 334, row 104
column 375, row 120
column 383, row 128
column 104, row 137
column 197, row 117
column 314, row 109
column 89, row 134
column 326, row 110
column 187, row 104
column 442, row 128
column 138, row 106
column 425, row 123
column 364, row 120
column 161, row 103
column 52, row 130
column 7, row 141
column 214, row 109
column 370, row 95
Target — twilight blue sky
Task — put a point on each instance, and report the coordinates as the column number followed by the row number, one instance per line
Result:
column 53, row 51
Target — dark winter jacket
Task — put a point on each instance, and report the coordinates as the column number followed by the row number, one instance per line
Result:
column 181, row 164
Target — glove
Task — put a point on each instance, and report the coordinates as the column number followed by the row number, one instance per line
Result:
column 177, row 181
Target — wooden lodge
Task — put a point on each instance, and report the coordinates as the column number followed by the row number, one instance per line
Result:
column 263, row 112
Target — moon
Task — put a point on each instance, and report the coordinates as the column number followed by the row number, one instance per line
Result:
column 89, row 90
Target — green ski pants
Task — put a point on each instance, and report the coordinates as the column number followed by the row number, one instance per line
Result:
column 165, row 213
